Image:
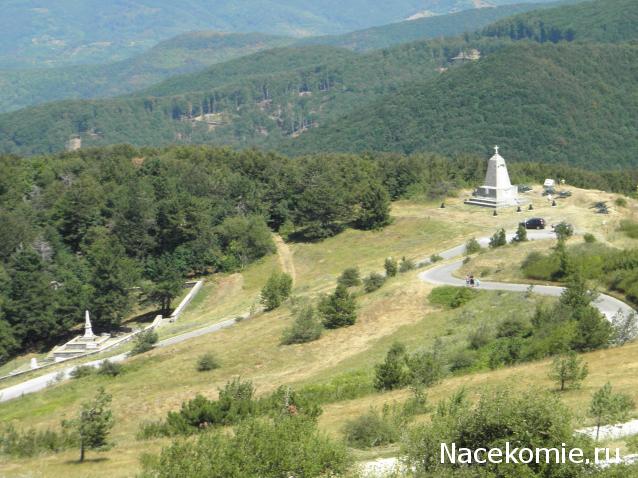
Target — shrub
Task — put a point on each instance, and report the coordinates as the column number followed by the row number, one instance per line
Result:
column 338, row 309
column 531, row 419
column 373, row 282
column 369, row 430
column 82, row 371
column 306, row 328
column 462, row 360
column 144, row 342
column 110, row 369
column 564, row 231
column 435, row 258
column 394, row 371
column 499, row 239
column 472, row 247
column 350, row 277
column 391, row 267
column 290, row 446
column 512, row 327
column 276, row 290
column 630, row 228
column 207, row 362
column 539, row 266
column 620, row 202
column 480, row 337
column 589, row 238
column 22, row 444
column 425, row 369
column 521, row 234
column 407, row 265
column 451, row 297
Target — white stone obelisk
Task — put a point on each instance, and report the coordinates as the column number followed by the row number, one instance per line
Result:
column 88, row 328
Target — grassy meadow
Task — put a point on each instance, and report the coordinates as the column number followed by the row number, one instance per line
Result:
column 160, row 380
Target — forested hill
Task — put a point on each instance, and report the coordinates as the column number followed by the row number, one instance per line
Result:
column 262, row 107
column 34, row 33
column 599, row 21
column 180, row 55
column 195, row 51
column 567, row 102
column 423, row 28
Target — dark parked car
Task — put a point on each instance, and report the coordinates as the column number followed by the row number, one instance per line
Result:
column 534, row 223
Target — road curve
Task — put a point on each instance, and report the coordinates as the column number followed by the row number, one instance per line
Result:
column 443, row 275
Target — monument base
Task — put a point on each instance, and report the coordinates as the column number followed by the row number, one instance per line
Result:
column 491, row 203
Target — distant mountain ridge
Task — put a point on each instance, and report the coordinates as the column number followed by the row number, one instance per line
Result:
column 37, row 33
column 567, row 102
column 194, row 51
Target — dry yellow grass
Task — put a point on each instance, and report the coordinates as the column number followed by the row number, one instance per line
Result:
column 161, row 380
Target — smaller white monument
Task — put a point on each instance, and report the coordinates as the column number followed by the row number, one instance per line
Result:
column 82, row 343
column 497, row 191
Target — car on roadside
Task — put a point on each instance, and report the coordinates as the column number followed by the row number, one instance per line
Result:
column 534, row 223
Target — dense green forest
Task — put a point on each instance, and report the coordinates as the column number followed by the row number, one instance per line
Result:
column 598, row 21
column 192, row 52
column 87, row 229
column 180, row 55
column 259, row 106
column 567, row 102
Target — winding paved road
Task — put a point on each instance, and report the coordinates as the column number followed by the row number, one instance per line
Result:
column 443, row 275
column 40, row 383
column 440, row 275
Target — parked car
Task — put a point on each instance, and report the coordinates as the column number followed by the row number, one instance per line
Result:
column 534, row 223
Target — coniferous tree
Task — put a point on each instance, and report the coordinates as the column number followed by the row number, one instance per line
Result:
column 391, row 267
column 29, row 304
column 112, row 276
column 93, row 425
column 394, row 371
column 338, row 309
column 568, row 371
column 609, row 407
column 276, row 290
column 374, row 208
column 306, row 328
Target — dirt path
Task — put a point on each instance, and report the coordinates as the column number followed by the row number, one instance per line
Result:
column 285, row 257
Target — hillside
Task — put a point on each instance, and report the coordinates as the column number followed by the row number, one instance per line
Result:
column 597, row 21
column 261, row 105
column 568, row 103
column 423, row 28
column 194, row 51
column 33, row 34
column 183, row 54
column 338, row 369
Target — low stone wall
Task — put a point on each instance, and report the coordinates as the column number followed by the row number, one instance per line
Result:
column 159, row 320
column 156, row 323
column 187, row 300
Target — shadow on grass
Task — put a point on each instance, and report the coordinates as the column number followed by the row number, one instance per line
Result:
column 100, row 459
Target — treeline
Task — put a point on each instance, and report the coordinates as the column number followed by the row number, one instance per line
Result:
column 104, row 229
column 539, row 102
column 599, row 21
column 263, row 100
